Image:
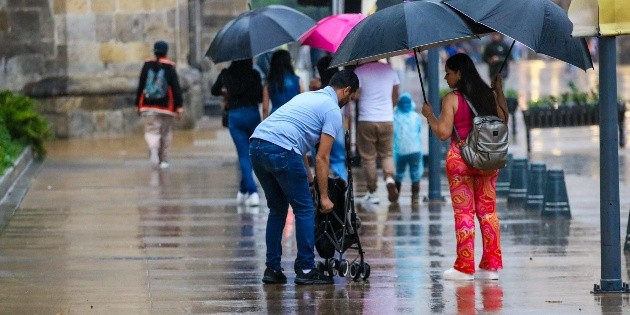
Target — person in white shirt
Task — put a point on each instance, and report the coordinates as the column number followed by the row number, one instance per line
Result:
column 378, row 93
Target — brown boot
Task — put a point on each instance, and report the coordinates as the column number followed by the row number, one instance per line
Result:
column 415, row 193
column 392, row 192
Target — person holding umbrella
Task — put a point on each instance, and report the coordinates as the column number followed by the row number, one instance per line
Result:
column 240, row 85
column 278, row 150
column 472, row 191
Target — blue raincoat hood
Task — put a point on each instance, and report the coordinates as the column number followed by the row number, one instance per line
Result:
column 405, row 103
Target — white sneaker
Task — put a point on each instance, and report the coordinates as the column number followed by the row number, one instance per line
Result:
column 453, row 274
column 252, row 200
column 164, row 165
column 154, row 158
column 241, row 197
column 369, row 198
column 484, row 274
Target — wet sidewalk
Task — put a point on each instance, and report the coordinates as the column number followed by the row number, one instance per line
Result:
column 99, row 232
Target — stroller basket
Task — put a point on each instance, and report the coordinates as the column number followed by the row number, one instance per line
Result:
column 330, row 236
column 338, row 230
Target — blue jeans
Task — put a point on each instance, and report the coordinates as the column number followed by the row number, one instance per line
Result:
column 414, row 160
column 242, row 122
column 282, row 176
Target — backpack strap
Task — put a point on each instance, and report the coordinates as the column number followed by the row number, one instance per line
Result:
column 470, row 105
column 471, row 108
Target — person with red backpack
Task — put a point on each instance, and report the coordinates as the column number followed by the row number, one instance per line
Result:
column 160, row 102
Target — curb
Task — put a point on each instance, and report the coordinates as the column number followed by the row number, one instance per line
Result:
column 12, row 174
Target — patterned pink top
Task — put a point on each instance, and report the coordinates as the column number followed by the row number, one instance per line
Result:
column 463, row 118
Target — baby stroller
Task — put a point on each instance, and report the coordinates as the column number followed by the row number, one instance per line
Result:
column 338, row 231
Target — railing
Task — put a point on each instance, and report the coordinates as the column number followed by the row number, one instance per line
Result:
column 568, row 116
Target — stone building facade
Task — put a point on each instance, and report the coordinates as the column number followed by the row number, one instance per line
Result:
column 81, row 58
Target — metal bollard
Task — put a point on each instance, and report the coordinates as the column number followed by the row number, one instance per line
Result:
column 556, row 198
column 518, row 183
column 503, row 181
column 536, row 186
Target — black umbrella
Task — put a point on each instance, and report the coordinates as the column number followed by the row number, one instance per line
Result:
column 404, row 27
column 541, row 25
column 257, row 31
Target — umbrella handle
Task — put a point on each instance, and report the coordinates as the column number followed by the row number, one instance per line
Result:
column 506, row 57
column 415, row 55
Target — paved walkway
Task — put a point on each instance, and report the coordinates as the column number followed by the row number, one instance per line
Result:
column 99, row 232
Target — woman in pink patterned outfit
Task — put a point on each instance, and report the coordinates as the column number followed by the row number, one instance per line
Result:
column 473, row 191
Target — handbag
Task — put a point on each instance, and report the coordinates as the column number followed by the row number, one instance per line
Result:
column 487, row 144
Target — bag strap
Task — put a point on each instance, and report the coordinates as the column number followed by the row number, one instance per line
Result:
column 471, row 108
column 470, row 105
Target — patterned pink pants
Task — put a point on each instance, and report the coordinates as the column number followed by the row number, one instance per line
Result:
column 473, row 192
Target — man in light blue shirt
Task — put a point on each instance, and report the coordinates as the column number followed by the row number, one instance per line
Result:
column 278, row 150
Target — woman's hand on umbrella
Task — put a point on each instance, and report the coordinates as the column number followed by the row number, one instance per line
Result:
column 427, row 110
column 497, row 82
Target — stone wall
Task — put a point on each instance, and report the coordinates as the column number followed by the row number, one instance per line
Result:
column 81, row 58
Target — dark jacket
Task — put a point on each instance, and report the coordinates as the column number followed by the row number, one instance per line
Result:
column 173, row 101
column 499, row 49
column 243, row 89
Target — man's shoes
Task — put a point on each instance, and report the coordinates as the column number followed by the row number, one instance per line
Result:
column 253, row 200
column 164, row 165
column 484, row 274
column 392, row 191
column 454, row 274
column 314, row 276
column 369, row 198
column 274, row 276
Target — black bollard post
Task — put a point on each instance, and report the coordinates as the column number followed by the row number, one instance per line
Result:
column 503, row 181
column 518, row 184
column 536, row 186
column 556, row 197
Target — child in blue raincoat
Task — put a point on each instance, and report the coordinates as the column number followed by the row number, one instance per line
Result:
column 408, row 145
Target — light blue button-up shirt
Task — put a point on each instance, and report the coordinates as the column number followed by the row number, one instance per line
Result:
column 299, row 124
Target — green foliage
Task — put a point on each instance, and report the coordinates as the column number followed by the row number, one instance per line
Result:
column 9, row 148
column 23, row 122
column 549, row 101
column 511, row 93
column 443, row 92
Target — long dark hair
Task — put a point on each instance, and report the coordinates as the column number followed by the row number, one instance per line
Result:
column 471, row 85
column 241, row 66
column 280, row 66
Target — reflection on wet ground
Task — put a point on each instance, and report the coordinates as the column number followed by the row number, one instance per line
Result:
column 100, row 232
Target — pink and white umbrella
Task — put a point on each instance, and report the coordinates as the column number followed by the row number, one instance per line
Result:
column 330, row 31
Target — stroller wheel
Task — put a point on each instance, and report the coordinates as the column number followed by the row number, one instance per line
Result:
column 344, row 268
column 332, row 267
column 365, row 271
column 355, row 271
column 320, row 266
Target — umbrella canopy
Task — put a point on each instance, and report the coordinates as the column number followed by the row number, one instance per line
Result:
column 541, row 25
column 330, row 31
column 257, row 31
column 401, row 28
